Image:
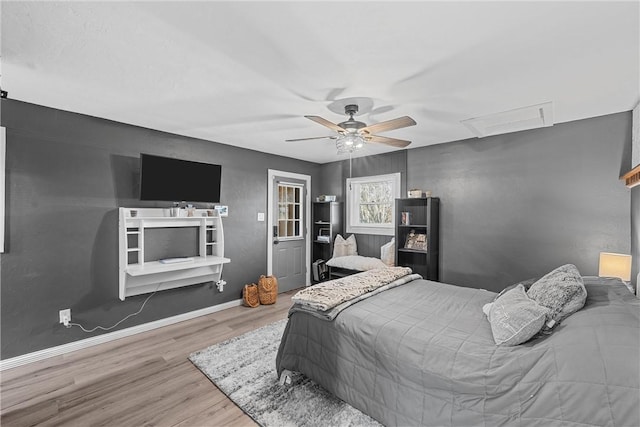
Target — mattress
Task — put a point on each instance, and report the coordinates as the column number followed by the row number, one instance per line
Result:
column 423, row 354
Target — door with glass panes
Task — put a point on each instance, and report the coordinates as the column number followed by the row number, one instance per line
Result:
column 289, row 234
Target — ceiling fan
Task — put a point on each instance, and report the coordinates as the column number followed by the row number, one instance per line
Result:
column 353, row 134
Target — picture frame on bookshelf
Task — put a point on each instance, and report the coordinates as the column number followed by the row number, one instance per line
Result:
column 416, row 241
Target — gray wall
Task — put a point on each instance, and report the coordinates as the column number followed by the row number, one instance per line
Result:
column 66, row 176
column 516, row 206
column 512, row 207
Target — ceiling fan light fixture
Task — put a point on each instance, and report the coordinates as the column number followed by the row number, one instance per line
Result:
column 349, row 143
column 354, row 135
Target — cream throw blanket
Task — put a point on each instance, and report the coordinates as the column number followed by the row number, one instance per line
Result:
column 327, row 295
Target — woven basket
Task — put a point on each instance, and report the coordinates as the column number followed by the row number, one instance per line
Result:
column 250, row 295
column 268, row 289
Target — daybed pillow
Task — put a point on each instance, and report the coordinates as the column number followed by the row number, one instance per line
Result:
column 342, row 247
column 515, row 318
column 388, row 253
column 562, row 291
column 356, row 262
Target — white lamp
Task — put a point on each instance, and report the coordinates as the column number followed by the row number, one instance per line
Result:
column 615, row 265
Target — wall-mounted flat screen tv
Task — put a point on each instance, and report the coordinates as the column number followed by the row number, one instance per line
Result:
column 176, row 180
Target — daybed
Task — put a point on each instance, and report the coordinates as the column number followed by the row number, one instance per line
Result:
column 346, row 260
column 423, row 353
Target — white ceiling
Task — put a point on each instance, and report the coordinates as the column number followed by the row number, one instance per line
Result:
column 245, row 73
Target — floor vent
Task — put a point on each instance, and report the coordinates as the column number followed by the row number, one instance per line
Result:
column 532, row 117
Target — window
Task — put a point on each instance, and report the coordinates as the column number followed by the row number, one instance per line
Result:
column 371, row 204
column 289, row 211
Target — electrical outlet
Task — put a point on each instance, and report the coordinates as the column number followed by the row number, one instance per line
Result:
column 65, row 316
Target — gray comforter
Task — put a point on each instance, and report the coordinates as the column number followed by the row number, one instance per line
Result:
column 423, row 354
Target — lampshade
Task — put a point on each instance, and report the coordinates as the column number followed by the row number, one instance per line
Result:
column 615, row 265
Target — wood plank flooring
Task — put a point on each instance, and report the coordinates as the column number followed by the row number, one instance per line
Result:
column 142, row 380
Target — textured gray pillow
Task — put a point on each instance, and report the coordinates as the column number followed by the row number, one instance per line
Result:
column 515, row 317
column 562, row 291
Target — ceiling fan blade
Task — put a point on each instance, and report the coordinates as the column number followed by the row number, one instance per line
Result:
column 400, row 122
column 327, row 123
column 400, row 143
column 307, row 139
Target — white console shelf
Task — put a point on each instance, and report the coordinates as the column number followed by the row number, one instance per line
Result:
column 139, row 277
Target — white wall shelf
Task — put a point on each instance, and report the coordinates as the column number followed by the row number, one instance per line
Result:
column 139, row 277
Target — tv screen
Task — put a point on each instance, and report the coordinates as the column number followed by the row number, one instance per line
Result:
column 175, row 180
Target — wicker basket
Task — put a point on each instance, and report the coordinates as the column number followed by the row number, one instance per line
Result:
column 250, row 295
column 268, row 289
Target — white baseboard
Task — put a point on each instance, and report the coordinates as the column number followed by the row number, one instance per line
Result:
column 111, row 336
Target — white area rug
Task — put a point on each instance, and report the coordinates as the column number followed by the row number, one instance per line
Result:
column 244, row 368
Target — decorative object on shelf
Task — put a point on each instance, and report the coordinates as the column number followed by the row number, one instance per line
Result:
column 406, row 218
column 222, row 210
column 427, row 193
column 174, row 211
column 324, row 235
column 326, row 198
column 414, row 194
column 250, row 295
column 268, row 289
column 134, row 213
column 416, row 241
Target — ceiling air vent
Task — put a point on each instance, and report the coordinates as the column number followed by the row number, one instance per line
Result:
column 532, row 117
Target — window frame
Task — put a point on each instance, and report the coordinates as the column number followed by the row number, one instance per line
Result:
column 353, row 204
column 287, row 204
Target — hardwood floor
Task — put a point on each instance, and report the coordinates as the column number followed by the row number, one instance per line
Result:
column 145, row 379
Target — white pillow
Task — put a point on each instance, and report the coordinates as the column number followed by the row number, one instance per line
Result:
column 356, row 262
column 342, row 247
column 387, row 253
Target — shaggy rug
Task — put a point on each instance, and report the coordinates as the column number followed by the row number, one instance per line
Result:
column 244, row 368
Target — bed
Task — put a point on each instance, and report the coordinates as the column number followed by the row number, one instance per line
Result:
column 423, row 353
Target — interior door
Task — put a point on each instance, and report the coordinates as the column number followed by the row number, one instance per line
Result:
column 289, row 233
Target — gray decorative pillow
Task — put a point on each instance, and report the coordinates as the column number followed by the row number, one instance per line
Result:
column 515, row 317
column 561, row 290
column 526, row 283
